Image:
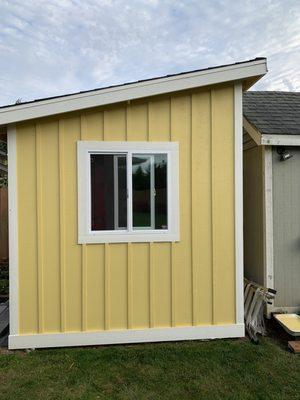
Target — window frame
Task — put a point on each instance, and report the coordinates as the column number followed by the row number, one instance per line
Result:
column 116, row 191
column 85, row 234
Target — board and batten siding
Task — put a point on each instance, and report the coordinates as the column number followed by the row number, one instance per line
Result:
column 67, row 287
column 286, row 229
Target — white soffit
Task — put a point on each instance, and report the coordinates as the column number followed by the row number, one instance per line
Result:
column 41, row 108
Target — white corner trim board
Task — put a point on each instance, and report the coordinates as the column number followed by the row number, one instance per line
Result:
column 238, row 168
column 13, row 230
column 152, row 87
column 268, row 216
column 125, row 336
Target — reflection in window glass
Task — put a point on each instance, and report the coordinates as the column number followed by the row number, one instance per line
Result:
column 108, row 192
column 121, row 185
column 141, row 191
column 149, row 191
column 161, row 201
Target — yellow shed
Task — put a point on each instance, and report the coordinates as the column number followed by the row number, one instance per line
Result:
column 126, row 211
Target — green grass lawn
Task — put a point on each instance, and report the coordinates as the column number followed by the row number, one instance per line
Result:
column 223, row 369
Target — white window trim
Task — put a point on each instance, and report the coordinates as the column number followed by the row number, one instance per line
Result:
column 85, row 235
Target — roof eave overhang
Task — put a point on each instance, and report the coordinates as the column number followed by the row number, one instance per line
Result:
column 248, row 73
column 269, row 139
column 247, row 83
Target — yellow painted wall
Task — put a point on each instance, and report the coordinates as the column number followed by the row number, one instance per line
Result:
column 64, row 286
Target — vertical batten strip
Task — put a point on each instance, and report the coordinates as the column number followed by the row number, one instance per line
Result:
column 106, row 261
column 151, row 272
column 212, row 206
column 129, row 286
column 83, row 126
column 211, row 213
column 83, row 129
column 84, row 287
column 104, row 128
column 106, row 289
column 194, row 287
column 129, row 248
column 173, row 297
column 13, row 230
column 127, row 110
column 151, row 283
column 148, row 123
column 212, row 95
column 189, row 200
column 173, row 287
column 39, row 202
column 62, row 226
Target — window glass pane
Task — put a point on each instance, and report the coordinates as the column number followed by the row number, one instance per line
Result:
column 122, row 192
column 149, row 191
column 108, row 191
column 141, row 196
column 161, row 200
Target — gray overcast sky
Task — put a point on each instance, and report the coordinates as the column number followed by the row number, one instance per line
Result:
column 59, row 46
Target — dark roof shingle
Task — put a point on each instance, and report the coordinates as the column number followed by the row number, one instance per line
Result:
column 273, row 113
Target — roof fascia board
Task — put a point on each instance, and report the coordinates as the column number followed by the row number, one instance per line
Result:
column 133, row 91
column 252, row 131
column 280, row 140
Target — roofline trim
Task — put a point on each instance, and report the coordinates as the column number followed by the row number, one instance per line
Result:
column 280, row 140
column 233, row 72
column 270, row 140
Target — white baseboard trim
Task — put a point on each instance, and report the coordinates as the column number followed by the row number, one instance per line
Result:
column 125, row 336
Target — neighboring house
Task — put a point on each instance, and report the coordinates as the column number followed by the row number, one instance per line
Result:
column 126, row 211
column 272, row 194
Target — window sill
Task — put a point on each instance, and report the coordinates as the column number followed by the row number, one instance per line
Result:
column 128, row 238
